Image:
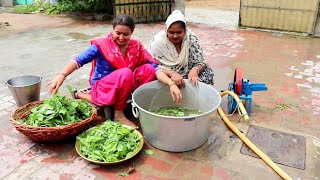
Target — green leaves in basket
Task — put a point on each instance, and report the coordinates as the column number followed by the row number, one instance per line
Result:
column 149, row 152
column 109, row 142
column 59, row 111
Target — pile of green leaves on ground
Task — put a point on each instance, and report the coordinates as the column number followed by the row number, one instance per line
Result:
column 109, row 142
column 59, row 111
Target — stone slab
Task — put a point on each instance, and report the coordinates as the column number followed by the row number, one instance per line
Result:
column 283, row 148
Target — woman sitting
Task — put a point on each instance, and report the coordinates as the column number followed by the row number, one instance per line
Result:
column 119, row 66
column 180, row 56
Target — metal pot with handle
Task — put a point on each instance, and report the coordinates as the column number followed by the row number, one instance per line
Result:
column 175, row 134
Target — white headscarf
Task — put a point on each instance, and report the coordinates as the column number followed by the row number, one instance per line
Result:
column 165, row 51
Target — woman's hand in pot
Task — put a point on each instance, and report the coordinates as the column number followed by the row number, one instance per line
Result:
column 177, row 78
column 193, row 77
column 175, row 93
column 55, row 84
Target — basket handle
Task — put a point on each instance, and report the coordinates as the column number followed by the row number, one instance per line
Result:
column 135, row 110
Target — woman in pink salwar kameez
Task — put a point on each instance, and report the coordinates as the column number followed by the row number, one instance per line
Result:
column 119, row 66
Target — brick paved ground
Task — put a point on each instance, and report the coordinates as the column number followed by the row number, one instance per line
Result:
column 290, row 66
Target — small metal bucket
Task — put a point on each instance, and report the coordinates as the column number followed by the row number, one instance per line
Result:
column 175, row 134
column 25, row 89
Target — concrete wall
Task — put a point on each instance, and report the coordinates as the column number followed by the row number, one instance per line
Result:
column 317, row 26
column 5, row 3
column 179, row 5
column 287, row 15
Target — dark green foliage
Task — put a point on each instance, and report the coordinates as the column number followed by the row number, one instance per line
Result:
column 67, row 6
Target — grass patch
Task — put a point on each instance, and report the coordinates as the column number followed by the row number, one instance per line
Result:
column 25, row 9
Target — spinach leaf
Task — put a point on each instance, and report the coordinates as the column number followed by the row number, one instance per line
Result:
column 149, row 152
column 124, row 174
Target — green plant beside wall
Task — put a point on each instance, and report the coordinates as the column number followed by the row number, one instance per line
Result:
column 67, row 6
column 25, row 9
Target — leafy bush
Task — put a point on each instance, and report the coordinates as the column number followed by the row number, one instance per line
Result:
column 66, row 6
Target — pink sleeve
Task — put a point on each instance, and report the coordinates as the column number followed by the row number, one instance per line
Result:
column 145, row 55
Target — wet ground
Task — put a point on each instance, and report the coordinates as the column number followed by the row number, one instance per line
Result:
column 288, row 65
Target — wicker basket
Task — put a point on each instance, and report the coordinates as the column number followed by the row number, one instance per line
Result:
column 47, row 134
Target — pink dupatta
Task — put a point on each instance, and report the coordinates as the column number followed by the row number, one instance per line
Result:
column 136, row 54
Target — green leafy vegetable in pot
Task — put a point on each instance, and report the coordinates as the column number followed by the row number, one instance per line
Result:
column 59, row 111
column 177, row 111
column 109, row 142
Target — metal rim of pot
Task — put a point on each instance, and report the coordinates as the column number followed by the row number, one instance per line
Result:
column 136, row 108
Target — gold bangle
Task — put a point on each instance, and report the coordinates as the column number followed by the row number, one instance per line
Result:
column 171, row 84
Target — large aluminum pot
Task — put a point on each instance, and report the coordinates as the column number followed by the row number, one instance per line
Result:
column 175, row 134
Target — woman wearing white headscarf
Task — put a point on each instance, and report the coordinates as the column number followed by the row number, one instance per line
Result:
column 180, row 56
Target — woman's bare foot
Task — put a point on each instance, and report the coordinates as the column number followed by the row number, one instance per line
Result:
column 120, row 117
column 85, row 95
